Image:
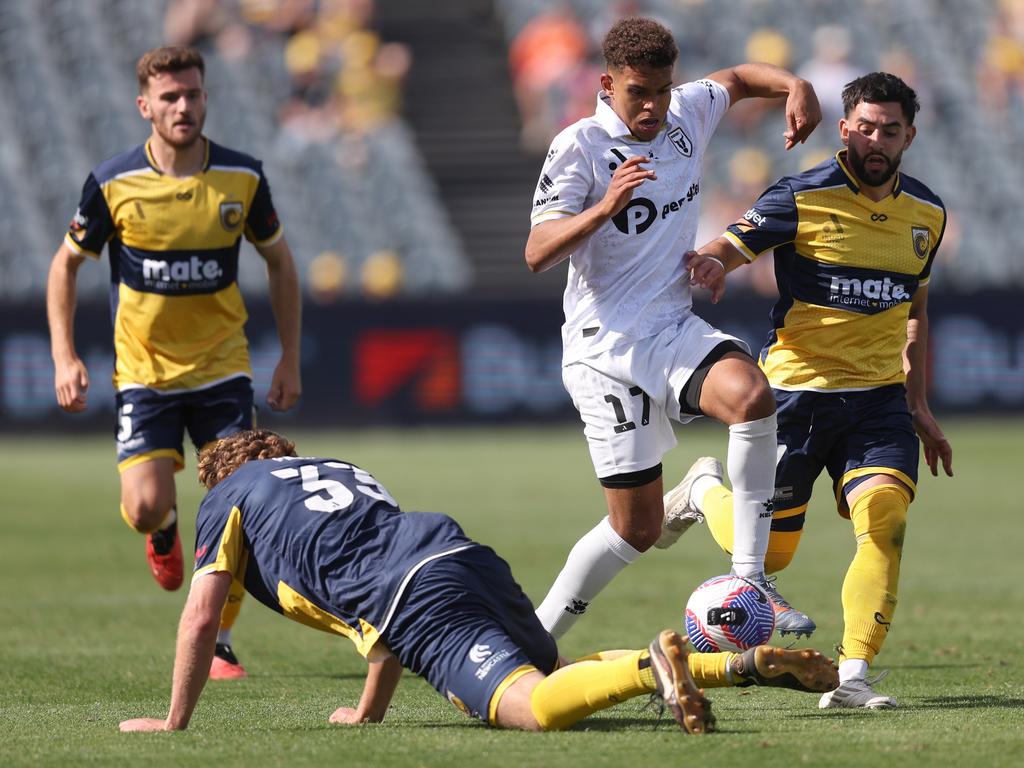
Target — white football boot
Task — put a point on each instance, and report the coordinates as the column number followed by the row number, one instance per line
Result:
column 680, row 510
column 857, row 694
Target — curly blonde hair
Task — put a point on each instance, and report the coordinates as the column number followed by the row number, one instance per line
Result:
column 218, row 460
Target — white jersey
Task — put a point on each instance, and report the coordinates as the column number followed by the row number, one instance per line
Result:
column 627, row 280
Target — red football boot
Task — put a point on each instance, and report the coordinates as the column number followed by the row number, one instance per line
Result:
column 163, row 553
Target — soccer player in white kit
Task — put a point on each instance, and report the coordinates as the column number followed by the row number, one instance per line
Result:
column 619, row 198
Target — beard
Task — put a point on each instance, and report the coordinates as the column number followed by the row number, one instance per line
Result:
column 873, row 177
column 180, row 142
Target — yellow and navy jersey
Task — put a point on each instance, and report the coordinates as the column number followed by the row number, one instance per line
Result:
column 319, row 541
column 173, row 246
column 847, row 268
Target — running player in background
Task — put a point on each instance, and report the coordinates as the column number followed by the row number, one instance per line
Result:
column 854, row 244
column 172, row 213
column 619, row 197
column 323, row 543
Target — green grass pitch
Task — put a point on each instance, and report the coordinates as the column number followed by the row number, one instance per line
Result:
column 87, row 638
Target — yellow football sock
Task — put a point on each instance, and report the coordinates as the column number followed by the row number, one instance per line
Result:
column 879, row 517
column 711, row 670
column 717, row 508
column 572, row 692
column 229, row 613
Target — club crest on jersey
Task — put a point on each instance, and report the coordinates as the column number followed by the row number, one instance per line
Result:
column 681, row 141
column 231, row 215
column 922, row 240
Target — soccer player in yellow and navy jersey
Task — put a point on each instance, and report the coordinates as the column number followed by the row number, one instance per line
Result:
column 171, row 213
column 323, row 543
column 854, row 241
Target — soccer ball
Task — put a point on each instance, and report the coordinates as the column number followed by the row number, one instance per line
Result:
column 729, row 613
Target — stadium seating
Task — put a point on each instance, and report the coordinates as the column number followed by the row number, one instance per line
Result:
column 450, row 201
column 67, row 87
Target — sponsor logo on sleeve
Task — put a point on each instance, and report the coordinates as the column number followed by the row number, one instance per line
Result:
column 754, row 217
column 78, row 226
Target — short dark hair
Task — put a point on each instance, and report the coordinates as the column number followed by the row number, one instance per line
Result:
column 639, row 42
column 878, row 87
column 168, row 58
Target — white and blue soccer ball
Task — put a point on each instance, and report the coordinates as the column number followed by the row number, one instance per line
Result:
column 729, row 613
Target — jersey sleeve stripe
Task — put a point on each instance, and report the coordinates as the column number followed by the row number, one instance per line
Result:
column 79, row 250
column 270, row 240
column 551, row 216
column 748, row 254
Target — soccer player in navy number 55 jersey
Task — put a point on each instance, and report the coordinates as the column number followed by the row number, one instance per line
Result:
column 322, row 542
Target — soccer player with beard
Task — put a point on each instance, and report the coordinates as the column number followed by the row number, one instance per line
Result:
column 172, row 212
column 854, row 242
column 619, row 198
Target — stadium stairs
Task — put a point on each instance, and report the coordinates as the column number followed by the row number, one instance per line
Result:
column 459, row 101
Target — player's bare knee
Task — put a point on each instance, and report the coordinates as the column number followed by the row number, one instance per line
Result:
column 144, row 515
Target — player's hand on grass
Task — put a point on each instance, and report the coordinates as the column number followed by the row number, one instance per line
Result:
column 627, row 177
column 349, row 716
column 140, row 724
column 706, row 272
column 71, row 381
column 936, row 447
column 285, row 387
column 803, row 113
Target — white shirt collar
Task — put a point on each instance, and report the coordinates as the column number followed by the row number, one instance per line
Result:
column 606, row 117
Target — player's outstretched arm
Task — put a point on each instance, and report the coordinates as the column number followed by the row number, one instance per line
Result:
column 381, row 681
column 71, row 379
column 936, row 447
column 286, row 302
column 197, row 640
column 551, row 242
column 710, row 263
column 803, row 113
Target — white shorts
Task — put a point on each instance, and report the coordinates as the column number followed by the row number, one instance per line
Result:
column 628, row 396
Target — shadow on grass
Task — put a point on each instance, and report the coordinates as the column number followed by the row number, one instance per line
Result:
column 970, row 702
column 938, row 702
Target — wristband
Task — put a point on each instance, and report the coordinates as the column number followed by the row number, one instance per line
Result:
column 717, row 261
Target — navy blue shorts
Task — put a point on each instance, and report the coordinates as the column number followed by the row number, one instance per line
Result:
column 151, row 424
column 851, row 434
column 465, row 625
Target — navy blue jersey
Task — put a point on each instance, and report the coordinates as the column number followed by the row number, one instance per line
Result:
column 319, row 541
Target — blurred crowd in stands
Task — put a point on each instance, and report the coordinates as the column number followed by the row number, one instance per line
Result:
column 344, row 87
column 555, row 61
column 313, row 89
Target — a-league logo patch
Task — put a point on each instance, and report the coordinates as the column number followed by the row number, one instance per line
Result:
column 681, row 141
column 231, row 215
column 922, row 239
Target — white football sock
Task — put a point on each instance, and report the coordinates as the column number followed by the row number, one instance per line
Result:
column 852, row 669
column 700, row 488
column 751, row 463
column 170, row 519
column 590, row 567
column 224, row 636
